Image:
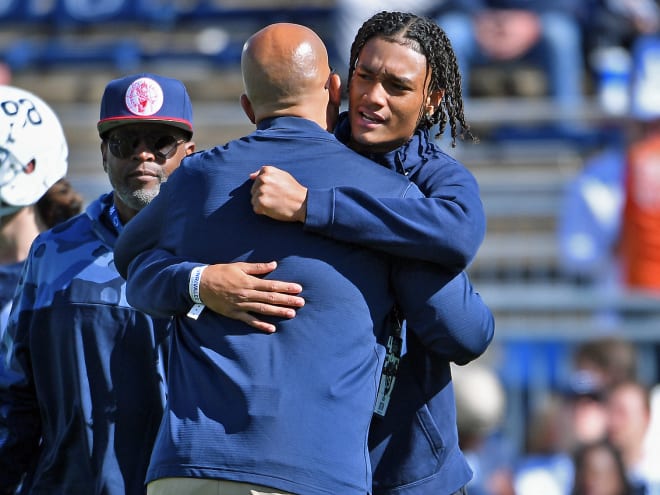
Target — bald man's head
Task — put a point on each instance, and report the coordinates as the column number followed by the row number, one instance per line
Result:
column 285, row 66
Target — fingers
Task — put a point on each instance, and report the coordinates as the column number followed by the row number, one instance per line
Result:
column 274, row 299
column 260, row 284
column 262, row 310
column 262, row 170
column 262, row 303
column 257, row 268
column 259, row 302
column 236, row 291
column 256, row 323
column 274, row 288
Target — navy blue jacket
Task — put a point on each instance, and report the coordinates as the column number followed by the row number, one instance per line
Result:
column 289, row 410
column 447, row 226
column 81, row 372
column 414, row 448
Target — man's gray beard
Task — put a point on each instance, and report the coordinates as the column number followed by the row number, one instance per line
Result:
column 137, row 200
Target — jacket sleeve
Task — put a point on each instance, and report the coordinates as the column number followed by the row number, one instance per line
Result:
column 446, row 227
column 156, row 278
column 20, row 424
column 141, row 234
column 157, row 283
column 443, row 310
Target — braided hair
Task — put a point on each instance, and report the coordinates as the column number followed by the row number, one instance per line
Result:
column 427, row 38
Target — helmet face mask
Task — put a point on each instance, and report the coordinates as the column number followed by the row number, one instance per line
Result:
column 10, row 167
column 33, row 148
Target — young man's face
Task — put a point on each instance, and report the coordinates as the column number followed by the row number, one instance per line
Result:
column 138, row 158
column 387, row 95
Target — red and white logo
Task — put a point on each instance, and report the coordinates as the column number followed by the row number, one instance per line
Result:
column 144, row 97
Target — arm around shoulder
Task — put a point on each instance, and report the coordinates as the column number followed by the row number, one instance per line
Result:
column 158, row 283
column 445, row 227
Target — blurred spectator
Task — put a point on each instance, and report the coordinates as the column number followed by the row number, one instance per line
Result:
column 558, row 425
column 609, row 232
column 629, row 417
column 597, row 366
column 588, row 416
column 653, row 432
column 599, row 470
column 589, row 221
column 640, row 230
column 510, row 31
column 601, row 363
column 5, row 74
column 480, row 408
column 611, row 67
column 621, row 22
column 610, row 33
column 640, row 234
column 60, row 203
column 546, row 466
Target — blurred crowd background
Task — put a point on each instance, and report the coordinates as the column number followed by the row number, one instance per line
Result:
column 565, row 98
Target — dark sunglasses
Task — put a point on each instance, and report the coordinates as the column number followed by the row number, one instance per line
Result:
column 163, row 146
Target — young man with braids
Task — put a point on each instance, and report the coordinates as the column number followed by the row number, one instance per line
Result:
column 316, row 454
column 403, row 80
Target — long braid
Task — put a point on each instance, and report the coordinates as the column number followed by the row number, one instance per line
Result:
column 424, row 36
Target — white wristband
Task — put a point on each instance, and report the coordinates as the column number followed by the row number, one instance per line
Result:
column 193, row 283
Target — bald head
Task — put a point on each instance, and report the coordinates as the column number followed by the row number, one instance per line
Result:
column 285, row 72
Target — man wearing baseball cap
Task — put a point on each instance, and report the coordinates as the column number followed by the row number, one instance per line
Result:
column 82, row 392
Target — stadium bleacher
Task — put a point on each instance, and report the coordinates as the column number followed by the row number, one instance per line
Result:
column 121, row 33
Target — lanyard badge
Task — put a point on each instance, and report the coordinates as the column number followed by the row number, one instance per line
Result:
column 390, row 368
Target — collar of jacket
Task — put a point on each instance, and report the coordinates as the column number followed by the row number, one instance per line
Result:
column 290, row 123
column 101, row 223
column 405, row 160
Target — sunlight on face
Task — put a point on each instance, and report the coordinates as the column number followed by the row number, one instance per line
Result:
column 386, row 95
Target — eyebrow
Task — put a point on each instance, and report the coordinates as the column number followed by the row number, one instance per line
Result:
column 403, row 81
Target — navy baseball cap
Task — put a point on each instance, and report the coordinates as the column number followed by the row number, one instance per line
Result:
column 145, row 98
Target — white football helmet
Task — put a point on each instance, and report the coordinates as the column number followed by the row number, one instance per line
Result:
column 33, row 149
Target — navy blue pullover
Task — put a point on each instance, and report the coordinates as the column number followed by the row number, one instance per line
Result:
column 414, row 448
column 446, row 227
column 289, row 410
column 81, row 372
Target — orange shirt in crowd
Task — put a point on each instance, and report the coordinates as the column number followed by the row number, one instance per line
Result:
column 640, row 241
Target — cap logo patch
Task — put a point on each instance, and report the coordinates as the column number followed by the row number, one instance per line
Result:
column 144, row 97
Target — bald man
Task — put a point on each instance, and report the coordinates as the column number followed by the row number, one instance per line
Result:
column 284, row 413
